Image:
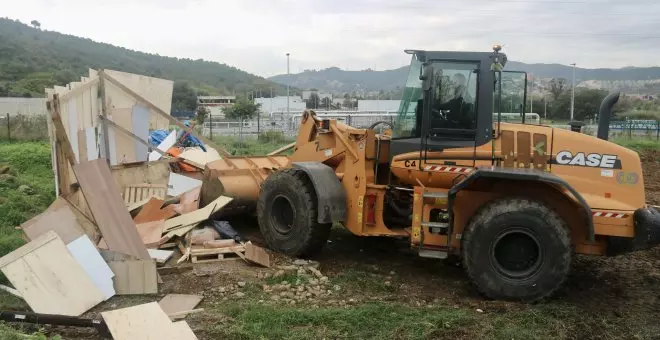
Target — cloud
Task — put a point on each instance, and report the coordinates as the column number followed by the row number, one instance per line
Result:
column 254, row 35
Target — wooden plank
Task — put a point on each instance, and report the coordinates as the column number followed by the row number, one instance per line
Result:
column 144, row 322
column 59, row 217
column 176, row 303
column 152, row 211
column 162, row 113
column 197, row 215
column 132, row 135
column 80, row 89
column 257, row 255
column 109, row 211
column 282, row 149
column 104, row 113
column 180, row 231
column 49, row 278
column 82, row 145
column 134, row 277
column 524, row 143
column 60, row 132
column 508, row 154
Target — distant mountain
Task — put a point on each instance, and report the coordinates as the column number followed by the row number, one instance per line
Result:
column 340, row 81
column 31, row 59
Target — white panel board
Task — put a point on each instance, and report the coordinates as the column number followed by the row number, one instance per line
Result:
column 167, row 143
column 178, row 184
column 140, row 120
column 89, row 258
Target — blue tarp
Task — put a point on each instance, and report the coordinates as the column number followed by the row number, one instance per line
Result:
column 158, row 136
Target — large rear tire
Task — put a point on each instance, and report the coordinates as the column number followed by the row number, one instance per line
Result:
column 287, row 213
column 516, row 249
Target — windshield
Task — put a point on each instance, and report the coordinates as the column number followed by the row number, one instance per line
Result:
column 406, row 119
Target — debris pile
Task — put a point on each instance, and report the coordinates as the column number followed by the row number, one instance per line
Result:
column 129, row 201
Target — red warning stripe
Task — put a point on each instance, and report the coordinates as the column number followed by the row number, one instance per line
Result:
column 444, row 168
column 608, row 214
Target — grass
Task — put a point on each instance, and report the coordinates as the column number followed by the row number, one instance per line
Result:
column 363, row 281
column 266, row 143
column 9, row 333
column 637, row 144
column 29, row 165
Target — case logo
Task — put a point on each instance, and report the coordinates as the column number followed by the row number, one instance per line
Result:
column 593, row 160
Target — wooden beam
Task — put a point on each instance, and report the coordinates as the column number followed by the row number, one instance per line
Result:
column 60, row 132
column 81, row 88
column 159, row 111
column 130, row 134
column 104, row 113
column 282, row 149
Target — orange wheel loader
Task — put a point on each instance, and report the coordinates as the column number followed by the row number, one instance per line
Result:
column 514, row 201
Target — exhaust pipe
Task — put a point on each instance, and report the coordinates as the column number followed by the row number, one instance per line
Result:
column 605, row 115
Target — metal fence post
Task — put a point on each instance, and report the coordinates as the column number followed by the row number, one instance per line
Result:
column 8, row 128
column 211, row 125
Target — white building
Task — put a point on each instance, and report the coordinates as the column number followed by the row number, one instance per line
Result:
column 215, row 104
column 278, row 104
column 22, row 106
column 379, row 105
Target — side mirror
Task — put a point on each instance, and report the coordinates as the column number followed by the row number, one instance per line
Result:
column 427, row 76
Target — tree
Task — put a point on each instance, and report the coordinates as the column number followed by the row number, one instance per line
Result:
column 242, row 109
column 184, row 97
column 36, row 24
column 557, row 87
column 326, row 102
column 347, row 102
column 201, row 114
column 313, row 101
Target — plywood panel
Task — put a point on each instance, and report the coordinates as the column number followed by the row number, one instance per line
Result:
column 134, row 276
column 49, row 278
column 109, row 211
column 124, row 144
column 59, row 217
column 179, row 184
column 72, row 132
column 144, row 322
column 152, row 212
column 197, row 215
column 154, row 173
column 176, row 303
column 183, row 331
column 151, row 232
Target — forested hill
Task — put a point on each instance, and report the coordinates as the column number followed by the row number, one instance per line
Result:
column 31, row 59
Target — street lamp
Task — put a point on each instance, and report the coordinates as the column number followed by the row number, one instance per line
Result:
column 287, row 83
column 573, row 92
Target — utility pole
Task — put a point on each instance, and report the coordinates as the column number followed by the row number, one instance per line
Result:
column 531, row 94
column 271, row 100
column 573, row 92
column 287, row 83
column 545, row 108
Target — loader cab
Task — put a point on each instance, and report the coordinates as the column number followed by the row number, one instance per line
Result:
column 449, row 102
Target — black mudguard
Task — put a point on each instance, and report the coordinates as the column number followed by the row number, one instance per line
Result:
column 330, row 194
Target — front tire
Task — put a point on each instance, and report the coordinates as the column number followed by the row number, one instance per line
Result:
column 516, row 249
column 287, row 213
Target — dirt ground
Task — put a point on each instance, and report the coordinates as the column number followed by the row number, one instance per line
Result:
column 612, row 297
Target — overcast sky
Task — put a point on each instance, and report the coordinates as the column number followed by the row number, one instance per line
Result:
column 254, row 35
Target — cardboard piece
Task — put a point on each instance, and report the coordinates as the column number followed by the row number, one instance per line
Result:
column 151, row 233
column 176, row 303
column 105, row 203
column 50, row 280
column 257, row 255
column 152, row 211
